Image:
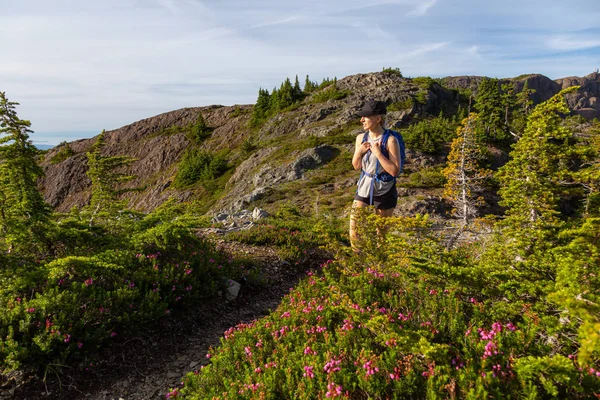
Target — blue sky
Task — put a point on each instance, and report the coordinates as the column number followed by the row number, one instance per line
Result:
column 77, row 67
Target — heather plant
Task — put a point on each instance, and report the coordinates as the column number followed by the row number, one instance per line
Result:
column 294, row 235
column 512, row 314
column 103, row 284
column 402, row 320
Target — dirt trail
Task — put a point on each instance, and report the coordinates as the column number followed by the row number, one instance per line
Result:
column 146, row 366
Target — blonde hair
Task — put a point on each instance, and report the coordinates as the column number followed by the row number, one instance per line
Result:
column 383, row 121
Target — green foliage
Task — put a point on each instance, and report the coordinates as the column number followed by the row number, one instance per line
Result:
column 426, row 178
column 327, row 82
column 431, row 135
column 406, row 104
column 331, row 93
column 540, row 161
column 284, row 98
column 249, row 145
column 491, row 110
column 24, row 215
column 106, row 175
column 65, row 151
column 199, row 166
column 237, row 111
column 104, row 285
column 296, row 237
column 199, row 131
column 588, row 152
column 464, row 174
column 309, row 86
column 424, row 82
column 392, row 71
column 406, row 319
column 173, row 130
column 421, row 97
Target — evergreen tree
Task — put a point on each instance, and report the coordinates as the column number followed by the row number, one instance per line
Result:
column 286, row 95
column 524, row 100
column 23, row 213
column 309, row 86
column 297, row 91
column 105, row 177
column 588, row 176
column 488, row 104
column 274, row 104
column 531, row 180
column 508, row 102
column 200, row 130
column 523, row 106
column 464, row 175
column 262, row 108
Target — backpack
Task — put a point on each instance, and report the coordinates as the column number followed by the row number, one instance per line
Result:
column 385, row 176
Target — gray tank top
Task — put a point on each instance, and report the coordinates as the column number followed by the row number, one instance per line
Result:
column 369, row 164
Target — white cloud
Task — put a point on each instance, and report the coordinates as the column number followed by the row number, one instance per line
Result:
column 572, row 43
column 84, row 66
column 422, row 8
column 474, row 50
column 276, row 22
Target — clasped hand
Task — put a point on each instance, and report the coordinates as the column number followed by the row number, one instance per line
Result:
column 375, row 148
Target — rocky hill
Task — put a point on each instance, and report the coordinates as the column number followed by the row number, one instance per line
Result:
column 301, row 155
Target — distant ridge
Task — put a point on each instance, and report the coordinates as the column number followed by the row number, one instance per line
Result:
column 269, row 163
column 44, row 146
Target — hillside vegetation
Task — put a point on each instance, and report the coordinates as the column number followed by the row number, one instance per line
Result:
column 495, row 296
column 511, row 311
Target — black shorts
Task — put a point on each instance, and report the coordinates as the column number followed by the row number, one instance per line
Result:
column 382, row 202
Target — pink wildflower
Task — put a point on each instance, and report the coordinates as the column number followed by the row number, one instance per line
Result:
column 248, row 352
column 332, row 365
column 333, row 390
column 308, row 372
column 370, row 369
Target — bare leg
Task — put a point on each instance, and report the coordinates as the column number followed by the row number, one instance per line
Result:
column 353, row 235
column 384, row 213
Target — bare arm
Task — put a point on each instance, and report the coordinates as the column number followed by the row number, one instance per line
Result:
column 360, row 149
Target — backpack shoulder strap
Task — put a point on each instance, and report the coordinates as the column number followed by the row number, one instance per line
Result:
column 365, row 136
column 384, row 140
column 400, row 140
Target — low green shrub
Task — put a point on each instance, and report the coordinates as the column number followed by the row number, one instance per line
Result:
column 406, row 319
column 294, row 235
column 392, row 71
column 331, row 93
column 63, row 311
column 424, row 82
column 65, row 151
column 430, row 135
column 403, row 105
column 426, row 178
column 197, row 165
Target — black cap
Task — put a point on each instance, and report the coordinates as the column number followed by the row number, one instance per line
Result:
column 373, row 107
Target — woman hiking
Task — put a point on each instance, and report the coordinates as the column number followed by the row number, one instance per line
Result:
column 379, row 154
